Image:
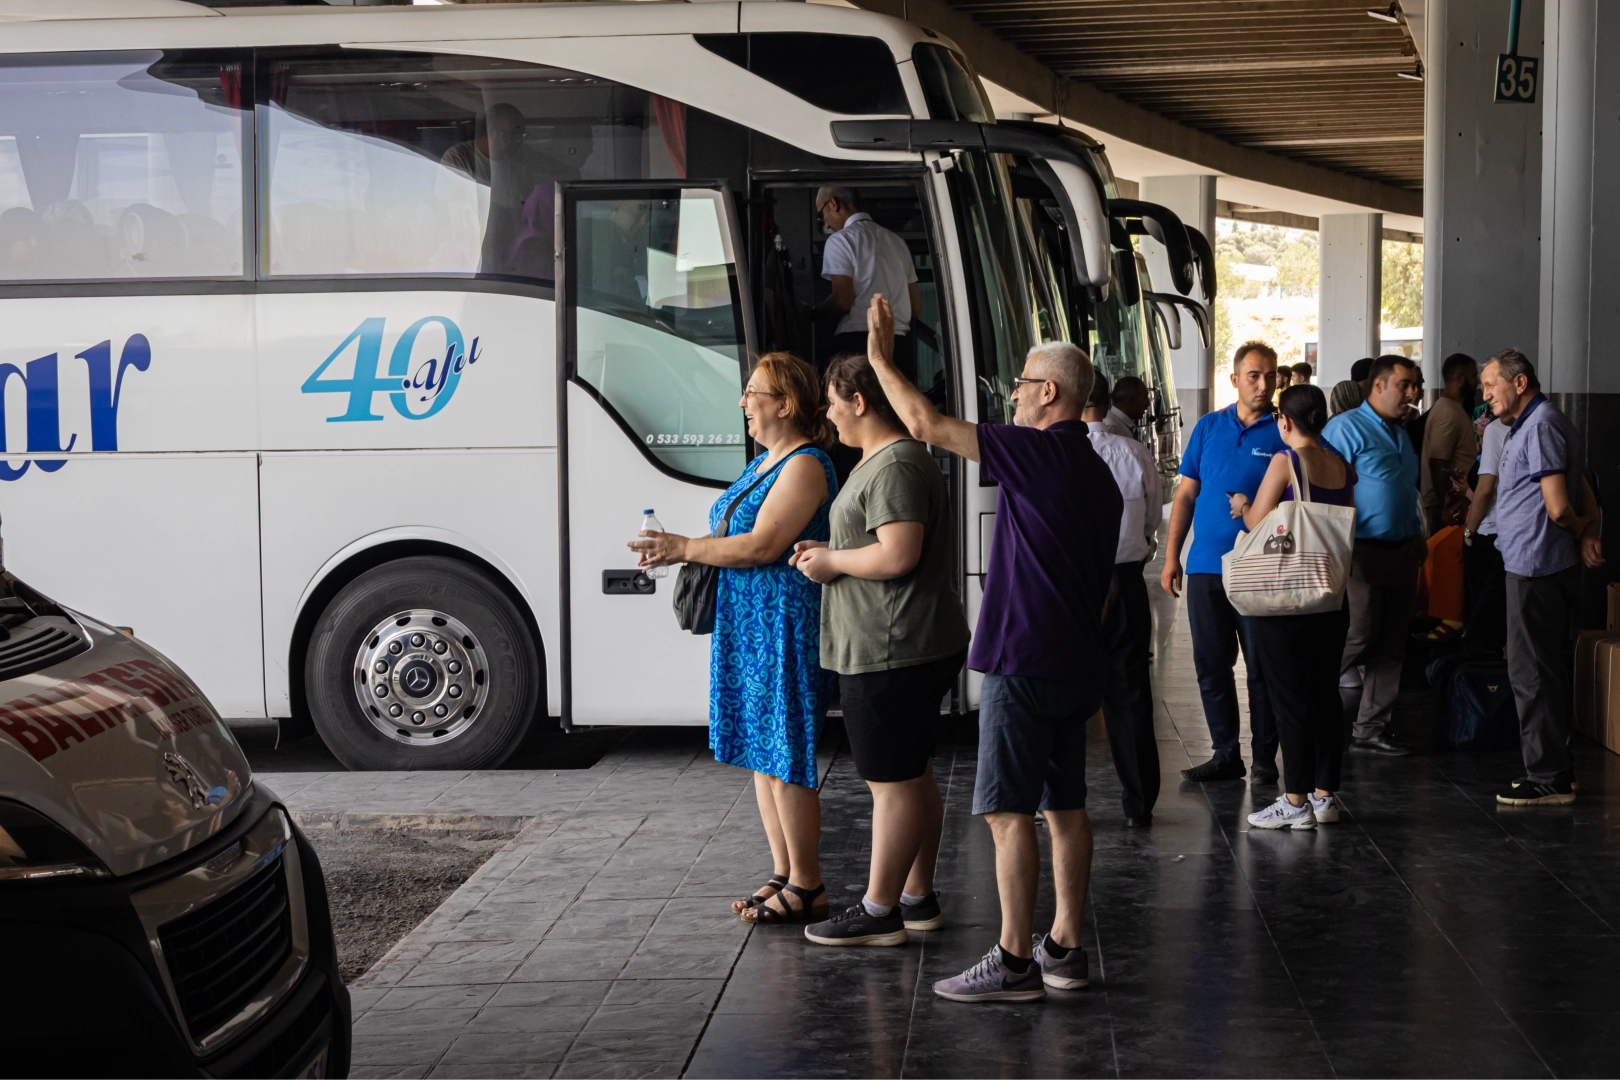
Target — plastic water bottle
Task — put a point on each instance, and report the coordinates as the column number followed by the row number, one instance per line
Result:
column 649, row 523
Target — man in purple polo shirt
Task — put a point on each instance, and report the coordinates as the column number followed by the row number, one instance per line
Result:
column 1546, row 528
column 1040, row 628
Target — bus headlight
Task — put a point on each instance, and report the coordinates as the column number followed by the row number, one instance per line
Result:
column 35, row 848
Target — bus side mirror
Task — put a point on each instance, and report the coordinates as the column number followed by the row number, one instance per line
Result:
column 1169, row 317
column 1150, row 219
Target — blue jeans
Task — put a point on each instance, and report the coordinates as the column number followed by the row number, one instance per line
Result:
column 1217, row 632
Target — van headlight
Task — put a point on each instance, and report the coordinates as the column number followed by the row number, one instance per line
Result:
column 35, row 848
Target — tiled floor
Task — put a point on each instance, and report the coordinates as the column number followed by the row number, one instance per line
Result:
column 1429, row 933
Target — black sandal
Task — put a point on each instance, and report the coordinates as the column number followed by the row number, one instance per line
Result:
column 805, row 913
column 774, row 884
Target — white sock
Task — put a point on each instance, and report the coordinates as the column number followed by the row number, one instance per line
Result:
column 875, row 909
column 911, row 901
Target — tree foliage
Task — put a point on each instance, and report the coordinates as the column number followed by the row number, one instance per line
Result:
column 1403, row 284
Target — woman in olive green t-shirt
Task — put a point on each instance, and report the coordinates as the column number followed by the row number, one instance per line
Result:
column 892, row 627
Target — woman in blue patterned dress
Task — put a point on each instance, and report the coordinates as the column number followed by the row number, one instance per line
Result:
column 765, row 680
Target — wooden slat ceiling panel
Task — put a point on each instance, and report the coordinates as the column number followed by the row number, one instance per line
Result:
column 1313, row 80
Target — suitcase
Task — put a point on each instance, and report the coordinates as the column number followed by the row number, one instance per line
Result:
column 1473, row 704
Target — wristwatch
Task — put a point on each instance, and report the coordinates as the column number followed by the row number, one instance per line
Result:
column 1468, row 534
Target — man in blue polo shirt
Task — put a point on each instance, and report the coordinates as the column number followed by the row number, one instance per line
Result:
column 1389, row 549
column 1229, row 451
column 1546, row 527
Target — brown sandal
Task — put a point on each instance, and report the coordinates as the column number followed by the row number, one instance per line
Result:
column 775, row 885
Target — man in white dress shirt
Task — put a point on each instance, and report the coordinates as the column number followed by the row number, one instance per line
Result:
column 863, row 258
column 1128, row 624
column 1129, row 402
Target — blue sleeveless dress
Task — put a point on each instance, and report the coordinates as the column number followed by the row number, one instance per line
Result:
column 765, row 683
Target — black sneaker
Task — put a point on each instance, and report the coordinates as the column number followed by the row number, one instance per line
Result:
column 857, row 927
column 1535, row 793
column 1265, row 774
column 923, row 916
column 1574, row 785
column 1214, row 770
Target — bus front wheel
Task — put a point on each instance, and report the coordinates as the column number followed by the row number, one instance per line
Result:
column 422, row 663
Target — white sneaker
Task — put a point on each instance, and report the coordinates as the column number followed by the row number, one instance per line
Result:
column 1326, row 809
column 1283, row 814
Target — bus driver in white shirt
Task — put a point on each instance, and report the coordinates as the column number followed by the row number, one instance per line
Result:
column 863, row 258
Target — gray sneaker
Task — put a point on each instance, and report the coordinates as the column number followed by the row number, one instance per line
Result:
column 925, row 915
column 989, row 980
column 1069, row 973
column 857, row 926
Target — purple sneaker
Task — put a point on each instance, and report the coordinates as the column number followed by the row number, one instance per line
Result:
column 990, row 980
column 1069, row 973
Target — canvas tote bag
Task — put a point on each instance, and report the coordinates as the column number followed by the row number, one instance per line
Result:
column 1296, row 561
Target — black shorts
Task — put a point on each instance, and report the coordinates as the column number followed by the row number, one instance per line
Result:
column 890, row 717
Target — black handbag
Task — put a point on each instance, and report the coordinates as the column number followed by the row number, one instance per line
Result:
column 697, row 583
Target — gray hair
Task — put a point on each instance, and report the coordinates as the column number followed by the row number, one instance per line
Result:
column 1511, row 363
column 1067, row 365
column 844, row 195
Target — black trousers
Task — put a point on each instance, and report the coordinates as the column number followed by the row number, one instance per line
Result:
column 1485, row 594
column 1128, row 693
column 1217, row 632
column 1541, row 611
column 905, row 351
column 1300, row 657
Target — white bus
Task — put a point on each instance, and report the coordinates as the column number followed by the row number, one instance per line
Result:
column 343, row 347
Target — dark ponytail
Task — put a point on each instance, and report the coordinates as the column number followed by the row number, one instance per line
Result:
column 1306, row 407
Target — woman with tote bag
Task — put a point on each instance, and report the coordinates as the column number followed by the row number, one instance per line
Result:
column 1299, row 650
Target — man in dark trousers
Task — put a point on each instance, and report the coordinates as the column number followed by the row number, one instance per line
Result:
column 1128, row 626
column 1051, row 569
column 1547, row 520
column 1229, row 452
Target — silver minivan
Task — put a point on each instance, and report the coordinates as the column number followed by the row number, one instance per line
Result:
column 160, row 913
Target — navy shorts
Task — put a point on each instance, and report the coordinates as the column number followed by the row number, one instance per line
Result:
column 1032, row 744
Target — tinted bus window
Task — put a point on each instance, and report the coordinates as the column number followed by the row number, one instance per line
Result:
column 414, row 164
column 836, row 72
column 659, row 331
column 951, row 91
column 120, row 165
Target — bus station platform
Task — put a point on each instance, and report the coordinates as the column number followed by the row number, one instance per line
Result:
column 1429, row 933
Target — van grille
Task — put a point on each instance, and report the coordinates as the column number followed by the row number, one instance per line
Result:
column 222, row 954
column 38, row 644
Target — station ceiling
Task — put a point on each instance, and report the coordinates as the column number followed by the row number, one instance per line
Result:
column 1318, row 81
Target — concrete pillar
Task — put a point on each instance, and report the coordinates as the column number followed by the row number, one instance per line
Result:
column 1571, row 148
column 1481, row 186
column 1192, row 366
column 1580, row 244
column 1349, row 296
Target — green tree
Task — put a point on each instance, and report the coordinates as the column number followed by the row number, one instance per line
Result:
column 1403, row 283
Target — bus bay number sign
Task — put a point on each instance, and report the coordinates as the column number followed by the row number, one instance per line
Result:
column 1516, row 78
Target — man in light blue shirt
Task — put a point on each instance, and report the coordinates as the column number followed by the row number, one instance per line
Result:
column 1229, row 452
column 1546, row 528
column 1390, row 548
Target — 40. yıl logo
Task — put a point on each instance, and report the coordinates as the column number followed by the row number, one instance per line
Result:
column 414, row 378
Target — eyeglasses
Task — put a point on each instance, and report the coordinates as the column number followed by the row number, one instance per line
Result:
column 751, row 392
column 1022, row 381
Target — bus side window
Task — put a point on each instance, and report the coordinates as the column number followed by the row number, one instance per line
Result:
column 121, row 165
column 382, row 163
column 658, row 326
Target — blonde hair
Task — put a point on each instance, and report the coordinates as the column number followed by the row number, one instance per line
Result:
column 798, row 382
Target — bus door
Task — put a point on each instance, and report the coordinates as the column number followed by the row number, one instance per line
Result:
column 654, row 345
column 789, row 287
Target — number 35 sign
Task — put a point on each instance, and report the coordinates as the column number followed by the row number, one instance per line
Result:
column 1516, row 78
